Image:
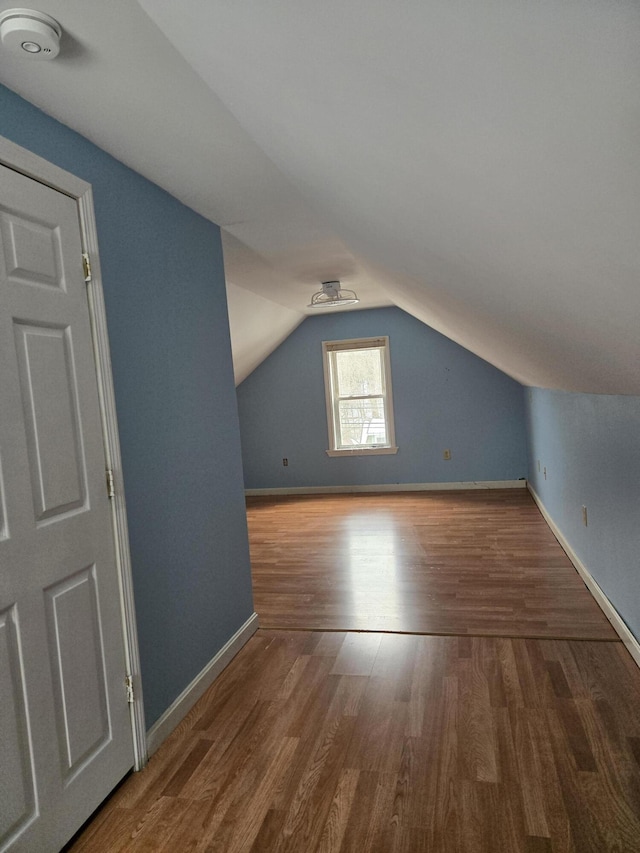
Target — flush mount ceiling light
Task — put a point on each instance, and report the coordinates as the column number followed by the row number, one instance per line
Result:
column 332, row 296
column 30, row 33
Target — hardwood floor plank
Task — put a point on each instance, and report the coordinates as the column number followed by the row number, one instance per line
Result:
column 294, row 677
column 153, row 826
column 268, row 835
column 186, row 770
column 319, row 710
column 109, row 830
column 575, row 734
column 377, row 740
column 531, row 774
column 539, row 845
column 242, row 821
column 473, row 831
column 357, row 654
column 370, row 813
column 475, row 730
column 311, row 804
column 189, row 831
column 317, row 695
column 329, row 644
column 339, row 812
column 426, row 684
column 548, row 783
column 351, row 690
column 215, row 771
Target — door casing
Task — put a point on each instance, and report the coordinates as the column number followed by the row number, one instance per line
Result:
column 39, row 169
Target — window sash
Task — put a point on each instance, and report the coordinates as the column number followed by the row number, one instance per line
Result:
column 352, row 420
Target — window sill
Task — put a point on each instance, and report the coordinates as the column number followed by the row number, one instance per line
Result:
column 363, row 451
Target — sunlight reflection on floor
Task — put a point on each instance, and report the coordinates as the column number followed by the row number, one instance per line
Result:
column 372, row 547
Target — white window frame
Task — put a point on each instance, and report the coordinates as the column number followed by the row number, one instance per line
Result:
column 329, row 348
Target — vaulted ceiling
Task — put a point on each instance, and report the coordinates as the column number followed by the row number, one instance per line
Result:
column 475, row 162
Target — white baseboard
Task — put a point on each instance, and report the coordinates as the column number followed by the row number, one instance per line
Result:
column 391, row 487
column 618, row 623
column 178, row 710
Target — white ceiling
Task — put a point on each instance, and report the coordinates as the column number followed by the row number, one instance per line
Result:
column 476, row 162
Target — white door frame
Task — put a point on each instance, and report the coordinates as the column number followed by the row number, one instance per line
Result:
column 29, row 164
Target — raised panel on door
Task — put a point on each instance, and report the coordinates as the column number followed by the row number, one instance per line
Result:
column 17, row 773
column 77, row 657
column 49, row 398
column 33, row 254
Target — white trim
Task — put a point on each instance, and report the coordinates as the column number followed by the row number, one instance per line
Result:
column 391, row 487
column 362, row 451
column 113, row 461
column 179, row 709
column 618, row 623
column 29, row 164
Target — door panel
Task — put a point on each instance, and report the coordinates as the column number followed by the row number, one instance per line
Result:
column 17, row 780
column 78, row 669
column 49, row 400
column 65, row 729
column 33, row 251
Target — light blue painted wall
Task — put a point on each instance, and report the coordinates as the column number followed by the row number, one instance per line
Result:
column 444, row 397
column 590, row 446
column 168, row 328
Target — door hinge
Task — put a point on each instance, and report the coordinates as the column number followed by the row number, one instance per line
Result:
column 86, row 266
column 128, row 683
column 111, row 485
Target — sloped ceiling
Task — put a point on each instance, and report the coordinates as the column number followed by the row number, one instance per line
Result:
column 257, row 327
column 476, row 162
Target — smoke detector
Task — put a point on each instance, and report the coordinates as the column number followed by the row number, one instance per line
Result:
column 30, row 33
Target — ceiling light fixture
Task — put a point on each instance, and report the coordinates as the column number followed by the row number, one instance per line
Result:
column 332, row 296
column 30, row 33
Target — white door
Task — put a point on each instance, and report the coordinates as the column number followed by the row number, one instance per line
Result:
column 65, row 732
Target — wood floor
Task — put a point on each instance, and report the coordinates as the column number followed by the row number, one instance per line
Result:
column 475, row 562
column 332, row 741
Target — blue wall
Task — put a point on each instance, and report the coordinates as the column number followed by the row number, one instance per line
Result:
column 444, row 397
column 590, row 446
column 168, row 328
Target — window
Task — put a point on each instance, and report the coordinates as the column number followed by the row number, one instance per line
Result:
column 357, row 377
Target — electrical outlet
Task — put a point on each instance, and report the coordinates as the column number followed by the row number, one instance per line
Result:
column 585, row 520
column 285, row 462
column 446, row 454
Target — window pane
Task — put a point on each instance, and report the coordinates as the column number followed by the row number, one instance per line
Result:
column 359, row 372
column 361, row 422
